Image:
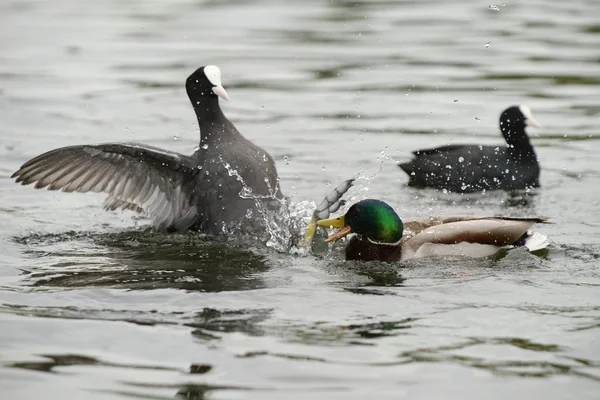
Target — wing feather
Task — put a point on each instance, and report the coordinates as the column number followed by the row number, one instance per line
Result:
column 101, row 172
column 144, row 179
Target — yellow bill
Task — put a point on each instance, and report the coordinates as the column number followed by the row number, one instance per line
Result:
column 335, row 223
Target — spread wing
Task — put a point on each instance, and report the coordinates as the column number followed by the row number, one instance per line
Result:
column 158, row 183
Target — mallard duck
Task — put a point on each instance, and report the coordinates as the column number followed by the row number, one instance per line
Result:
column 474, row 168
column 214, row 187
column 380, row 234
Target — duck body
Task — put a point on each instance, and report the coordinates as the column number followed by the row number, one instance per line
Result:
column 217, row 186
column 465, row 236
column 475, row 168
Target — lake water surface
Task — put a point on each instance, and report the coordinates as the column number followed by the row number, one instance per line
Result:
column 96, row 305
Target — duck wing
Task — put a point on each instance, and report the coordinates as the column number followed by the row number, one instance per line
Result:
column 492, row 232
column 146, row 179
column 418, row 225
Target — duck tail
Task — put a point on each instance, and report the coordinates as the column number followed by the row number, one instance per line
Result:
column 406, row 167
column 535, row 241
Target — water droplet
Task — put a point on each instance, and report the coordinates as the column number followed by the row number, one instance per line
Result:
column 246, row 192
column 477, row 119
column 287, row 160
column 461, row 159
column 265, row 159
column 455, row 100
column 487, row 44
column 262, row 107
column 205, row 146
column 494, row 7
column 323, row 168
column 199, row 167
column 175, row 137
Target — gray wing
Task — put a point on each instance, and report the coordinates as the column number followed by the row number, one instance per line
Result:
column 158, row 183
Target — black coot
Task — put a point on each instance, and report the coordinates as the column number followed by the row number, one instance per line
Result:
column 474, row 168
column 209, row 190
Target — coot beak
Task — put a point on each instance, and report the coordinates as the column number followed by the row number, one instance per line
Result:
column 530, row 121
column 220, row 91
column 335, row 223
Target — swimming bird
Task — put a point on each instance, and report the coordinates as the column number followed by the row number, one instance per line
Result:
column 474, row 168
column 215, row 187
column 380, row 234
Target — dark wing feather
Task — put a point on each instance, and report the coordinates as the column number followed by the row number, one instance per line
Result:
column 140, row 178
column 441, row 149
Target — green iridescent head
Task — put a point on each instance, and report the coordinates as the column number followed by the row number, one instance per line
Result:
column 370, row 218
column 375, row 220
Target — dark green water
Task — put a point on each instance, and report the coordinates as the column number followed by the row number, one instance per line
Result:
column 96, row 305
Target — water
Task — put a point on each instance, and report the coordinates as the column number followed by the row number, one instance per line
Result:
column 115, row 310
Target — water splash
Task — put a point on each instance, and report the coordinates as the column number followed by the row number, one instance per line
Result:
column 330, row 204
column 274, row 213
column 284, row 219
column 383, row 158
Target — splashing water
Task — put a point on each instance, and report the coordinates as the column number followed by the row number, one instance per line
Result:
column 383, row 158
column 330, row 204
column 285, row 220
